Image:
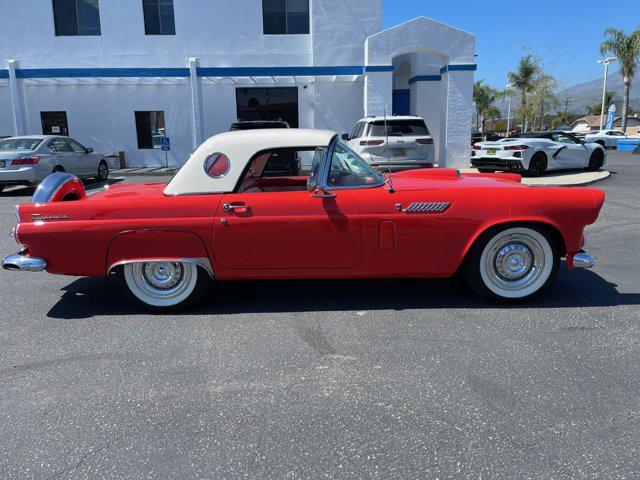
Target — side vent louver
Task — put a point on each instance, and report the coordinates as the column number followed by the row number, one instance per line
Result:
column 427, row 207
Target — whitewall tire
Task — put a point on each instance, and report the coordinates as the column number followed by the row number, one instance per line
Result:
column 163, row 285
column 512, row 263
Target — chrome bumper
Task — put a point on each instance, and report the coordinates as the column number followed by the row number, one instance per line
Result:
column 17, row 261
column 582, row 260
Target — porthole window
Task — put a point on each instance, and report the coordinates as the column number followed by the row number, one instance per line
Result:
column 217, row 165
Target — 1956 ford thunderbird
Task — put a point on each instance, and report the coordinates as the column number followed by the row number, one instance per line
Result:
column 240, row 208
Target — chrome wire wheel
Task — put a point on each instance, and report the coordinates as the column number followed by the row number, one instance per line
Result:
column 516, row 262
column 162, row 283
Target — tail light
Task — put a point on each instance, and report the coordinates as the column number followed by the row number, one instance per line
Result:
column 475, row 147
column 25, row 161
column 424, row 141
column 516, row 147
column 371, row 143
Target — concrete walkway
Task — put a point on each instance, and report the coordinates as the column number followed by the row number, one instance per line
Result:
column 572, row 178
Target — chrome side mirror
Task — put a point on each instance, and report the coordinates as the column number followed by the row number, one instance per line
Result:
column 322, row 193
column 311, row 184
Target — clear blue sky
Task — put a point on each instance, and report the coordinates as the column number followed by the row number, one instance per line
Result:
column 565, row 35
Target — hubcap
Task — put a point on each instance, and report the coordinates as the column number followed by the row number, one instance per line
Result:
column 515, row 261
column 162, row 280
column 102, row 171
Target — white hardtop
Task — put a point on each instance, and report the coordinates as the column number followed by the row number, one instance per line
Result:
column 239, row 147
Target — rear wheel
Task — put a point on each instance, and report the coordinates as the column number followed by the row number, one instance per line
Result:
column 103, row 171
column 537, row 165
column 58, row 168
column 512, row 263
column 163, row 286
column 601, row 143
column 596, row 160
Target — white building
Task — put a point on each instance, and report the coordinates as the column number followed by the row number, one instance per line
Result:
column 120, row 74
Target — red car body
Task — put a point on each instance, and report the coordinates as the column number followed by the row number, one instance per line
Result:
column 233, row 223
column 360, row 233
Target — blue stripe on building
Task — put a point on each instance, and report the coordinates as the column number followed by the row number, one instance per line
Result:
column 202, row 71
column 425, row 78
column 4, row 73
column 470, row 67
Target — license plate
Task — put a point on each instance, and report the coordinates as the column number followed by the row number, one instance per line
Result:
column 399, row 153
column 2, row 164
column 491, row 152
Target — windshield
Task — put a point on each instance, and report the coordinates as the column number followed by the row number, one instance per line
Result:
column 348, row 169
column 25, row 144
column 398, row 128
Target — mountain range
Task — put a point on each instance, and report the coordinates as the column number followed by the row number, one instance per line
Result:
column 583, row 95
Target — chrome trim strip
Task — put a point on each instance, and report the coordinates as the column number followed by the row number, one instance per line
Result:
column 200, row 262
column 50, row 186
column 583, row 260
column 427, row 207
column 16, row 212
column 18, row 261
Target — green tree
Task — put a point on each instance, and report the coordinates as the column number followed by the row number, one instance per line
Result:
column 563, row 118
column 523, row 81
column 596, row 108
column 543, row 97
column 627, row 49
column 485, row 97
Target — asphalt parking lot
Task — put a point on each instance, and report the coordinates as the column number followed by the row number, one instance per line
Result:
column 359, row 379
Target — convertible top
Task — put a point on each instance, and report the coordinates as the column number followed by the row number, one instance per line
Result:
column 239, row 147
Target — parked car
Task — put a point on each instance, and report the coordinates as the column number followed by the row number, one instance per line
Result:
column 410, row 144
column 30, row 159
column 257, row 124
column 221, row 218
column 535, row 153
column 606, row 138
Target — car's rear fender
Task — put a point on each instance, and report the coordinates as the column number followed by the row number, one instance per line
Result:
column 157, row 244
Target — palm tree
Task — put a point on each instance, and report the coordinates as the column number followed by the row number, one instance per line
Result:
column 596, row 108
column 523, row 80
column 484, row 97
column 627, row 49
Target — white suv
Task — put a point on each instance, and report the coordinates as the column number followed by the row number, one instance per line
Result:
column 410, row 143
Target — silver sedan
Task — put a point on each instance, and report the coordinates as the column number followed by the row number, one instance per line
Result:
column 28, row 160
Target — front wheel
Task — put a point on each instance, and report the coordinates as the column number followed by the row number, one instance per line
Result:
column 512, row 264
column 163, row 286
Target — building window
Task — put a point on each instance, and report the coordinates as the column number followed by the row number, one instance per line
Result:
column 76, row 17
column 281, row 17
column 278, row 103
column 158, row 17
column 54, row 123
column 150, row 129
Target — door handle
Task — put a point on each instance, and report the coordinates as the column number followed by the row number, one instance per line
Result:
column 227, row 207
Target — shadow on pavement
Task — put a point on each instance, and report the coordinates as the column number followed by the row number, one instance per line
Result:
column 88, row 297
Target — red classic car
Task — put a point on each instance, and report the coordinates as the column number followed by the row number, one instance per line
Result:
column 240, row 208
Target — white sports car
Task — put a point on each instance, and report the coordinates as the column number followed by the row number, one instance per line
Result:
column 606, row 138
column 534, row 153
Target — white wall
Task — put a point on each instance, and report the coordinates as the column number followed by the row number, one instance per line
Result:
column 220, row 32
column 6, row 114
column 338, row 105
column 102, row 117
column 340, row 28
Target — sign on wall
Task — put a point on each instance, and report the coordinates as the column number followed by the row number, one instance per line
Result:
column 166, row 144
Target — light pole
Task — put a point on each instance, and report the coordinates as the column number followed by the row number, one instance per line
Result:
column 606, row 63
column 508, row 108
